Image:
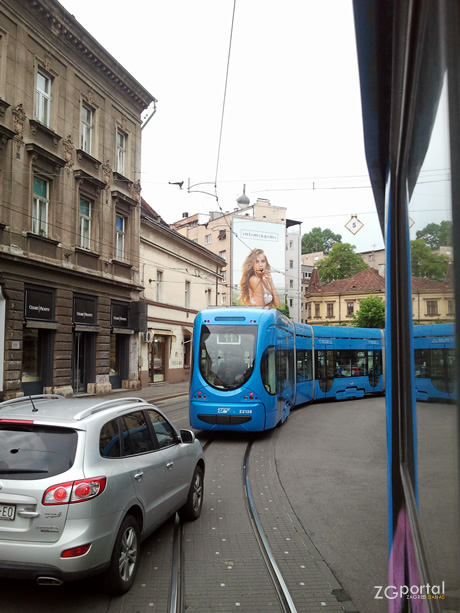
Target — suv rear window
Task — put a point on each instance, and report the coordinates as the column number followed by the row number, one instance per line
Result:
column 35, row 452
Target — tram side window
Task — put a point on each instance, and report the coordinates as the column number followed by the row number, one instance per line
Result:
column 282, row 374
column 374, row 362
column 268, row 370
column 343, row 366
column 422, row 363
column 359, row 363
column 304, row 365
column 291, row 366
column 325, row 364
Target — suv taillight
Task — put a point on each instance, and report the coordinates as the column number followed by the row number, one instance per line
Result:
column 74, row 491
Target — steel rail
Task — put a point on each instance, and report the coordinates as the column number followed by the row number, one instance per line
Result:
column 274, row 572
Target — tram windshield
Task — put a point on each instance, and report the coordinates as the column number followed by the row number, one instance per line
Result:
column 227, row 354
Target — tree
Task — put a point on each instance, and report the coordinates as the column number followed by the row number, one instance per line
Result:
column 427, row 264
column 371, row 313
column 284, row 309
column 342, row 263
column 319, row 240
column 437, row 234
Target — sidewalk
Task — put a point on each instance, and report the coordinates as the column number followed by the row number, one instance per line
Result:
column 154, row 392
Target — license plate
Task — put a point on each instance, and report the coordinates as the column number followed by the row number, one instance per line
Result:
column 7, row 511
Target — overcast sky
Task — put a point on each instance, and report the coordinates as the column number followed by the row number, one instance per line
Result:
column 292, row 126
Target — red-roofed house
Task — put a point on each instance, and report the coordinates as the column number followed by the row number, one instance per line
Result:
column 335, row 302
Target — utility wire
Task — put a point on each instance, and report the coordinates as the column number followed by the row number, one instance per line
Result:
column 225, row 94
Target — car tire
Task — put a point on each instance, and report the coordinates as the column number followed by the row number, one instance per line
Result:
column 192, row 508
column 120, row 575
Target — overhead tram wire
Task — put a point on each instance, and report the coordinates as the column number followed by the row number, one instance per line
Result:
column 225, row 97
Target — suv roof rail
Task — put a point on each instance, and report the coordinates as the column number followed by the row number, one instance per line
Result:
column 30, row 399
column 106, row 404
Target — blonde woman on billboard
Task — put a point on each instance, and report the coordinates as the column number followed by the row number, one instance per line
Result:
column 257, row 287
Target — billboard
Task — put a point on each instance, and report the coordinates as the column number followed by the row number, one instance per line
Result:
column 258, row 263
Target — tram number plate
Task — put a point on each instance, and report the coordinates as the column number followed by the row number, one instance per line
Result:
column 7, row 511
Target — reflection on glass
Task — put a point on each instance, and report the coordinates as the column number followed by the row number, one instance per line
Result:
column 31, row 362
column 435, row 352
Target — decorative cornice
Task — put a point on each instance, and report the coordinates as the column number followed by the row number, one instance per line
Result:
column 63, row 25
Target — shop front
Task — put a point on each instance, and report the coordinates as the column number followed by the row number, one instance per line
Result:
column 85, row 331
column 38, row 336
column 119, row 343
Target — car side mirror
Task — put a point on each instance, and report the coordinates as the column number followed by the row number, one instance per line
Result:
column 187, row 436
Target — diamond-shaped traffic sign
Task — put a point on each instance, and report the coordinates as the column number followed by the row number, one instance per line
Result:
column 354, row 225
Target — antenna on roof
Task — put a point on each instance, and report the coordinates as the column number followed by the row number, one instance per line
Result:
column 34, row 407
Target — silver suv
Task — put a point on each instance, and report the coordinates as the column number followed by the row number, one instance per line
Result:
column 83, row 482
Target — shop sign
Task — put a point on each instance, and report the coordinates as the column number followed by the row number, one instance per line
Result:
column 120, row 315
column 84, row 310
column 39, row 304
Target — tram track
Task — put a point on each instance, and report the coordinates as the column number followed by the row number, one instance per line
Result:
column 284, row 596
column 273, row 575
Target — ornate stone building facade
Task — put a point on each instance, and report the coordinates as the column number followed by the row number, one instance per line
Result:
column 70, row 130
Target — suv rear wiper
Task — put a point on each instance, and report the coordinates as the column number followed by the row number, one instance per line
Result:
column 20, row 471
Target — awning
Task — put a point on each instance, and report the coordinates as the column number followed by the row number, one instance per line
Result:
column 81, row 328
column 44, row 325
column 163, row 332
column 188, row 330
column 122, row 331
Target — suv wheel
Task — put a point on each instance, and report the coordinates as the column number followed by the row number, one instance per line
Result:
column 125, row 557
column 192, row 508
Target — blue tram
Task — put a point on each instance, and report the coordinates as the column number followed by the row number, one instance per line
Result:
column 434, row 362
column 349, row 362
column 242, row 369
column 251, row 366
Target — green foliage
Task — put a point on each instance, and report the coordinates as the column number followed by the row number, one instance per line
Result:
column 427, row 264
column 319, row 240
column 371, row 313
column 342, row 263
column 436, row 235
column 284, row 309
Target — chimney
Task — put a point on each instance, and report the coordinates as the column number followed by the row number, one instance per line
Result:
column 184, row 215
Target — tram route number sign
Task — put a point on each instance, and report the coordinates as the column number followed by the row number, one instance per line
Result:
column 354, row 225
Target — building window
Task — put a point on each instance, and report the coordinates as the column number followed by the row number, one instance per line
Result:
column 432, row 307
column 223, row 255
column 159, row 285
column 309, row 310
column 330, row 309
column 207, row 239
column 291, row 283
column 317, row 310
column 224, row 299
column 40, row 206
column 43, row 98
column 291, row 263
column 291, row 244
column 85, row 223
column 290, row 302
column 451, row 307
column 120, row 230
column 350, row 308
column 224, row 276
column 187, row 294
column 87, row 115
column 121, row 152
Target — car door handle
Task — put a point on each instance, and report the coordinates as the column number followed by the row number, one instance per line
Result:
column 138, row 476
column 169, row 464
column 28, row 514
